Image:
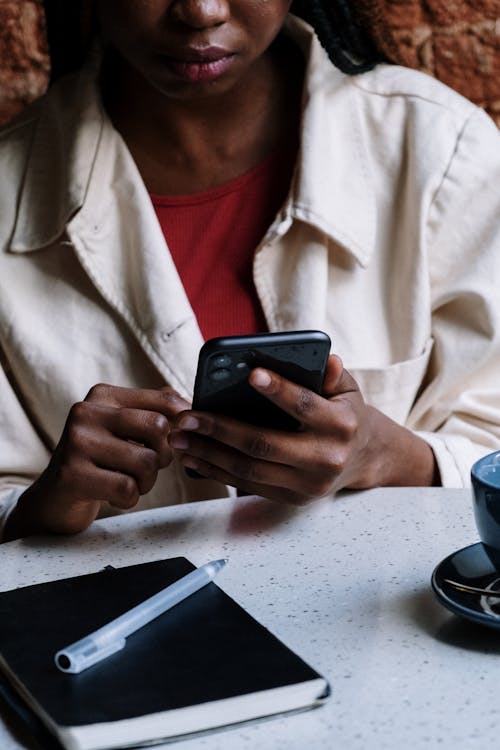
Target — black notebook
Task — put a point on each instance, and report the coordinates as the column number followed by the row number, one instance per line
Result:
column 204, row 664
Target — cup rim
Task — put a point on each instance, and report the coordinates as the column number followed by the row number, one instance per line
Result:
column 490, row 458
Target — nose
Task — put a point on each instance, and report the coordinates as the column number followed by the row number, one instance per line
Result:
column 200, row 14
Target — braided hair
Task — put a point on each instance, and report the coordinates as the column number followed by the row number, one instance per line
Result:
column 338, row 26
column 341, row 33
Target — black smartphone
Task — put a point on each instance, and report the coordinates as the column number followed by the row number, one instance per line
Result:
column 224, row 364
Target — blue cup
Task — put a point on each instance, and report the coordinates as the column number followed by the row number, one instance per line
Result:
column 485, row 476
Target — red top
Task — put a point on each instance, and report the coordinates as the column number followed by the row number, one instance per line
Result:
column 213, row 237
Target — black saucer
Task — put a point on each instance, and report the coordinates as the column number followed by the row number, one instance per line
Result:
column 470, row 566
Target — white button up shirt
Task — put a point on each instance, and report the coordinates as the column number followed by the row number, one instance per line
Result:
column 389, row 240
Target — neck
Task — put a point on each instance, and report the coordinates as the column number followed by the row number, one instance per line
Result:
column 188, row 145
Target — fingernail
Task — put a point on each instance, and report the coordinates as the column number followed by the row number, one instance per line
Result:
column 261, row 379
column 178, row 440
column 189, row 423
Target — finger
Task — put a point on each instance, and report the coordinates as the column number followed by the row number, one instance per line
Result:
column 337, row 380
column 315, row 412
column 296, row 400
column 88, row 420
column 166, row 401
column 136, row 461
column 312, row 452
column 177, row 402
column 94, row 445
column 311, row 481
column 83, row 482
column 117, row 489
column 333, row 373
column 249, row 487
column 259, row 443
column 143, row 427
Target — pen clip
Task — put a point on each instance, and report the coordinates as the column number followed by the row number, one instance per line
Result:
column 85, row 653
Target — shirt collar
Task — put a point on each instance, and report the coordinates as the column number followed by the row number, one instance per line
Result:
column 331, row 189
column 60, row 160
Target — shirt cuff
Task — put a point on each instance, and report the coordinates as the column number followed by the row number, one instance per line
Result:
column 455, row 456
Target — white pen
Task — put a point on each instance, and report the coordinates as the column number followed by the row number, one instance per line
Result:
column 111, row 637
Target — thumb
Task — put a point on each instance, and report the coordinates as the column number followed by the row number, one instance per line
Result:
column 337, row 379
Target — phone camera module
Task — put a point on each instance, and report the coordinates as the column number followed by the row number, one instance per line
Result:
column 221, row 373
column 220, row 360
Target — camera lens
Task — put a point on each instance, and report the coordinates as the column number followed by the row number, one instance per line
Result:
column 220, row 374
column 220, row 360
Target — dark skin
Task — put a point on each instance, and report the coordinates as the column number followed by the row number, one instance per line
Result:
column 113, row 445
column 201, row 134
column 211, row 117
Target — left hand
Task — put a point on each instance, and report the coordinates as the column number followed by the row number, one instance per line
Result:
column 342, row 443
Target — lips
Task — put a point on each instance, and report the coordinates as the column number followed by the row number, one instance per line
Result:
column 200, row 54
column 199, row 63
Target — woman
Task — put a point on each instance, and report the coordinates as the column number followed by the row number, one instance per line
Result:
column 214, row 173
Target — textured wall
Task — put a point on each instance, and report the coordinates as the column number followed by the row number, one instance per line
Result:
column 24, row 65
column 458, row 41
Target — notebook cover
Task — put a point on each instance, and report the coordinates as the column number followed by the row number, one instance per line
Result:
column 206, row 648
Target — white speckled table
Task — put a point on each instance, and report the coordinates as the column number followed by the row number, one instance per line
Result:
column 345, row 583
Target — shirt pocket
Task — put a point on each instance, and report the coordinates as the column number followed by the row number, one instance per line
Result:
column 393, row 389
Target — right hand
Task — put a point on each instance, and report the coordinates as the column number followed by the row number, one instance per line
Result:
column 111, row 449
